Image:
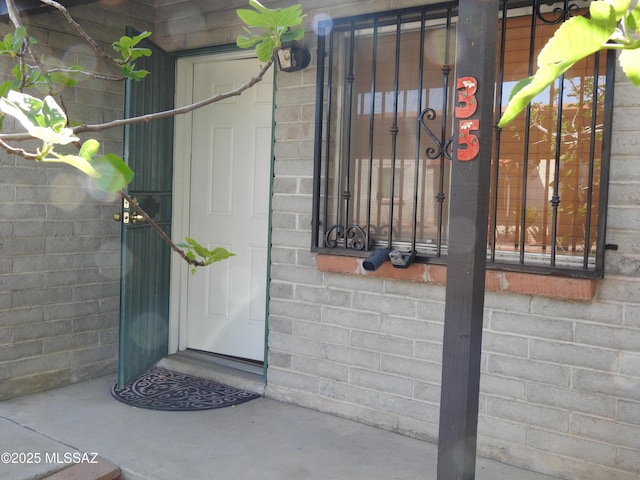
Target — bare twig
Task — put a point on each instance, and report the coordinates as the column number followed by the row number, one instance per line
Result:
column 97, row 76
column 17, row 151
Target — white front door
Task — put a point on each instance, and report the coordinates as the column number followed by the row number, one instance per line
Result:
column 229, row 191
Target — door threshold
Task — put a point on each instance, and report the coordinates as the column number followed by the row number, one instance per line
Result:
column 201, row 365
column 250, row 366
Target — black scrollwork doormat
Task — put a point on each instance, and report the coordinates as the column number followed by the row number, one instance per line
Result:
column 162, row 389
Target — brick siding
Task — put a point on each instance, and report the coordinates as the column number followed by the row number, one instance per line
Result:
column 59, row 248
column 560, row 388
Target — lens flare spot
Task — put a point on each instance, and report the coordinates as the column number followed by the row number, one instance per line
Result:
column 97, row 194
column 436, row 49
column 322, row 24
column 82, row 56
column 108, row 260
column 64, row 191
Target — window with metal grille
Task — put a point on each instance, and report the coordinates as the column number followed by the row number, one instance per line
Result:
column 384, row 136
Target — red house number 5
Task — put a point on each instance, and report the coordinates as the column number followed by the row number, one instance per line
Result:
column 467, row 87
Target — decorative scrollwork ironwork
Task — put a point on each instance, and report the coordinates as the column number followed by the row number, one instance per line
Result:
column 559, row 14
column 442, row 148
column 353, row 237
column 334, row 233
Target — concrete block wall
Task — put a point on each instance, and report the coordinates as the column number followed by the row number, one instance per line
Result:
column 560, row 389
column 59, row 247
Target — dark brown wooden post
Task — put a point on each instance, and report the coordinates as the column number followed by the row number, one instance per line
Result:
column 468, row 219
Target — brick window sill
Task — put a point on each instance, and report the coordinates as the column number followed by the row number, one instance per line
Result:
column 496, row 281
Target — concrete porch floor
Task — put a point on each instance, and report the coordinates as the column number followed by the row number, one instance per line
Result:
column 262, row 439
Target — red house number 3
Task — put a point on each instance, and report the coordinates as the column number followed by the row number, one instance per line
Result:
column 467, row 87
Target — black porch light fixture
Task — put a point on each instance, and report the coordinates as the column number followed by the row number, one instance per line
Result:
column 293, row 57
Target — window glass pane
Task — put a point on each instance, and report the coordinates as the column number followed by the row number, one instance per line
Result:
column 539, row 167
column 386, row 179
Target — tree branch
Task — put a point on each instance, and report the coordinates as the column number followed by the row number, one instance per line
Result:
column 27, row 49
column 97, row 76
column 159, row 231
column 17, row 137
column 17, row 151
column 92, row 43
column 176, row 111
column 14, row 14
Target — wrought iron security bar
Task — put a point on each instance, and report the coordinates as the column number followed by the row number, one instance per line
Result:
column 384, row 135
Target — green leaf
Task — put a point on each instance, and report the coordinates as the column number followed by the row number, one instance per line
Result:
column 633, row 19
column 17, row 73
column 76, row 161
column 258, row 6
column 109, row 169
column 114, row 174
column 247, row 42
column 292, row 35
column 141, row 36
column 199, row 249
column 7, row 46
column 576, row 39
column 288, row 17
column 63, row 79
column 529, row 89
column 44, row 120
column 89, row 149
column 5, row 87
column 630, row 63
column 23, row 107
column 620, row 7
column 255, row 19
column 53, row 115
column 35, row 77
column 194, row 250
column 519, row 86
column 275, row 24
column 129, row 71
column 136, row 53
column 18, row 39
column 124, row 43
column 265, row 49
column 218, row 254
column 126, row 46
